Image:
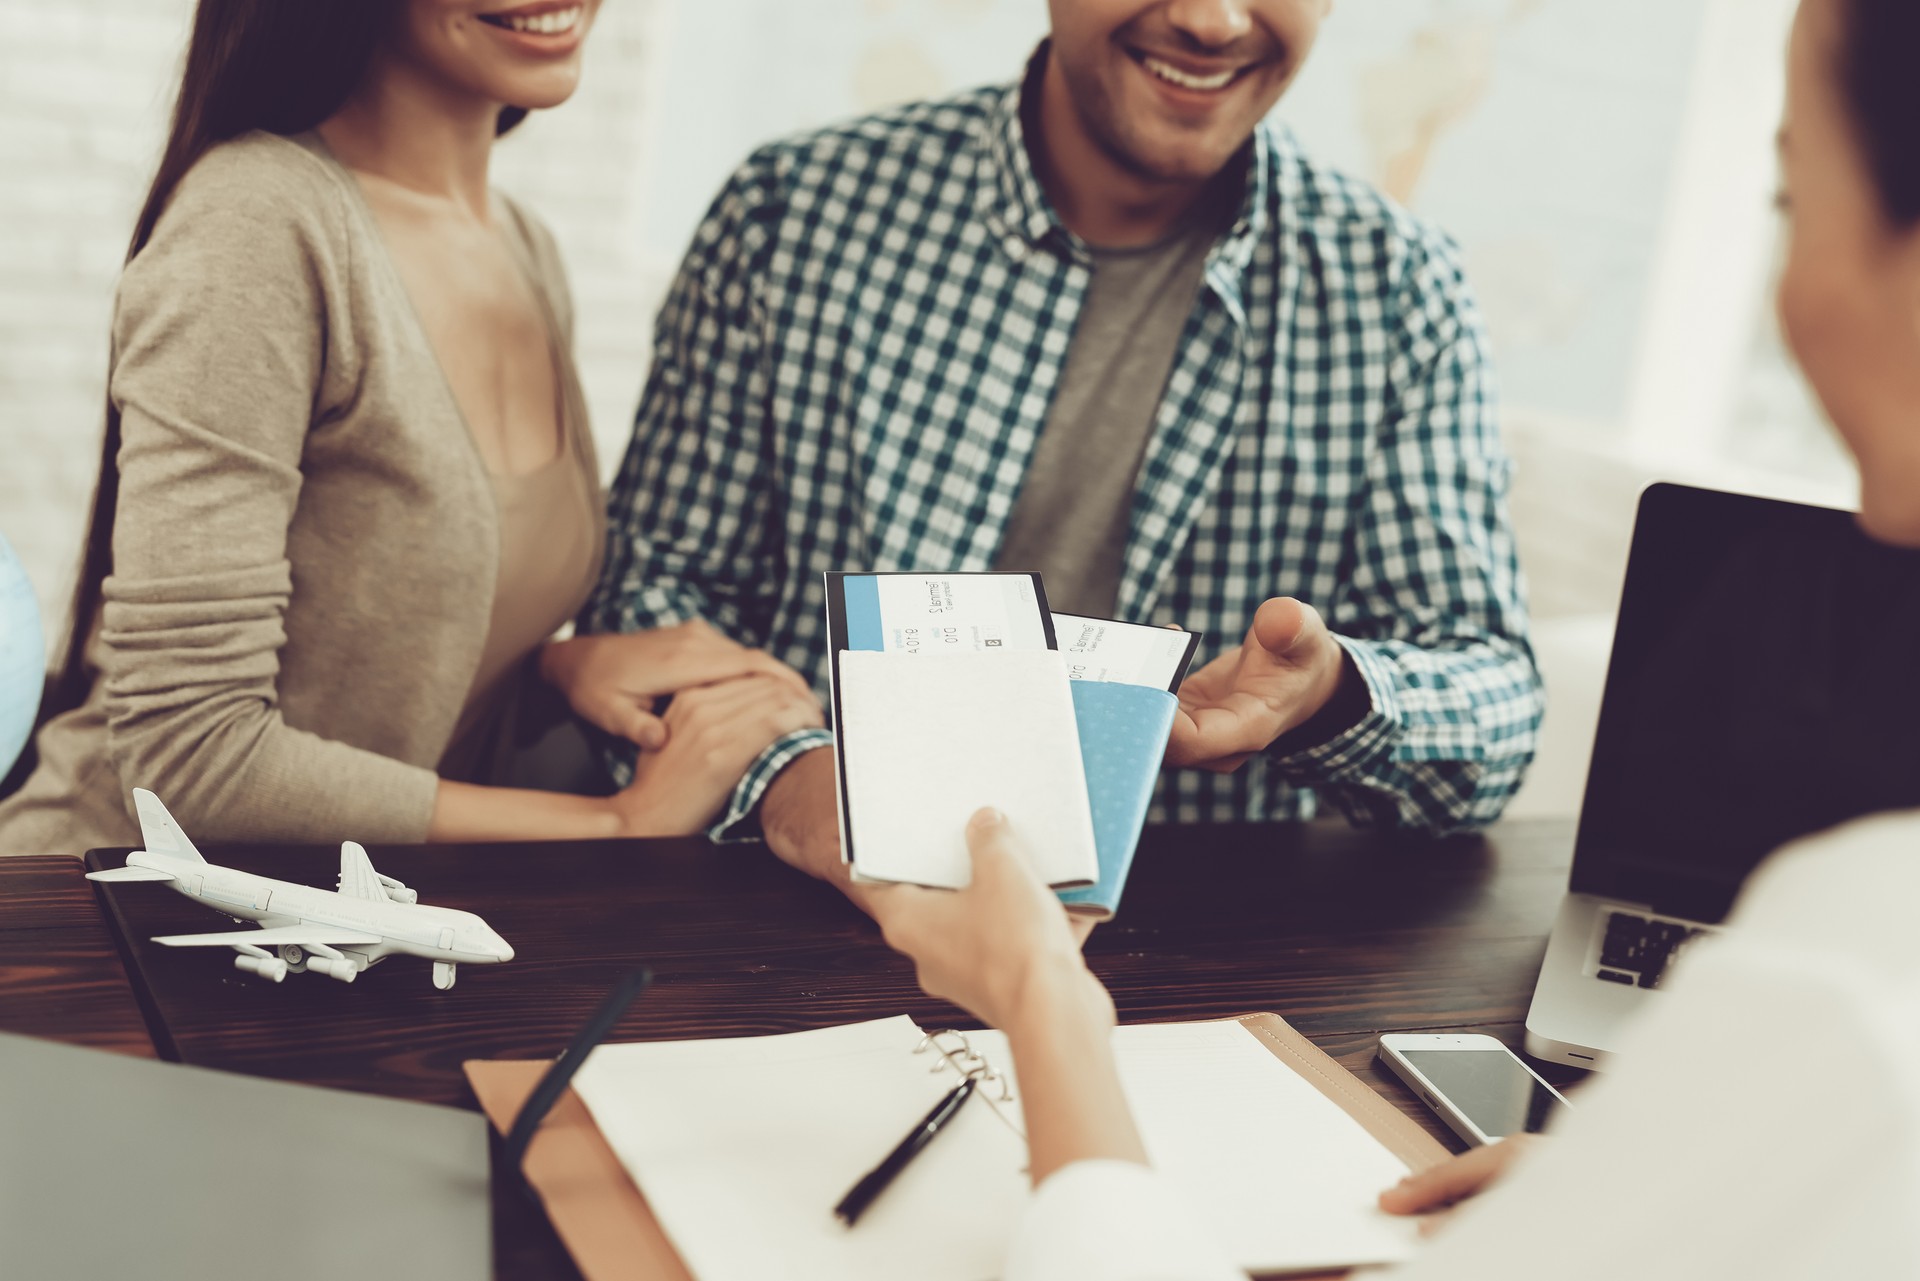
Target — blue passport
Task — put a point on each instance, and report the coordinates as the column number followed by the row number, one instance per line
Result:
column 1123, row 735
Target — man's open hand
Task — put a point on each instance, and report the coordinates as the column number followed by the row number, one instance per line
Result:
column 1288, row 667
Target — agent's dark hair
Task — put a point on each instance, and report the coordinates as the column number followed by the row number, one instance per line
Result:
column 278, row 65
column 1880, row 47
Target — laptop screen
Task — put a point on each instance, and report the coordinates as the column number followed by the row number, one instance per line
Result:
column 1764, row 685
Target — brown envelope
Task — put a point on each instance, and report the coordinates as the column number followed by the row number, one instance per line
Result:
column 613, row 1236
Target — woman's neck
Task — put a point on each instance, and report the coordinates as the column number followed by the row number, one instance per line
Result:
column 418, row 134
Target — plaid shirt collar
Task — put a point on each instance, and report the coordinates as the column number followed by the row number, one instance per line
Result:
column 1014, row 206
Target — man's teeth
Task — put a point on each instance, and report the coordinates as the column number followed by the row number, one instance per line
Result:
column 1173, row 75
column 551, row 23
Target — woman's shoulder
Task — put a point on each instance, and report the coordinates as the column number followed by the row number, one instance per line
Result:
column 259, row 185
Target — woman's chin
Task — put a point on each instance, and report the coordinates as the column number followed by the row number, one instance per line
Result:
column 537, row 92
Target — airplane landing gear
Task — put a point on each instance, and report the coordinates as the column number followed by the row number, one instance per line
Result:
column 295, row 956
column 443, row 974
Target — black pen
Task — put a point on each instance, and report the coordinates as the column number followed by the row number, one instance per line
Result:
column 875, row 1181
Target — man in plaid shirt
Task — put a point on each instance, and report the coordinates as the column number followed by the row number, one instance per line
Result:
column 860, row 363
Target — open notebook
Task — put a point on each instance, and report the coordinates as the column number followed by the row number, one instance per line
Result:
column 740, row 1148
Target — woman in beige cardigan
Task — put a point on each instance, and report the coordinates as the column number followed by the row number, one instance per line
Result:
column 347, row 491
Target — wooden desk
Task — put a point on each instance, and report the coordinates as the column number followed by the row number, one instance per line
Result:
column 1346, row 934
column 60, row 972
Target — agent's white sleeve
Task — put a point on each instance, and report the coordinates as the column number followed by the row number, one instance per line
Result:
column 1112, row 1221
column 1763, row 1123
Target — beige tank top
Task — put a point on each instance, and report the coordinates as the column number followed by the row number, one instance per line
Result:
column 552, row 538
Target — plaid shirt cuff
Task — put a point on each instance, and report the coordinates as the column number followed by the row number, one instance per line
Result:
column 741, row 821
column 1354, row 754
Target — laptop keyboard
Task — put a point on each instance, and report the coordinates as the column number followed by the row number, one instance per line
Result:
column 1636, row 949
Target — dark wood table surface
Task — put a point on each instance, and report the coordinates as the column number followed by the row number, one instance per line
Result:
column 60, row 971
column 1346, row 934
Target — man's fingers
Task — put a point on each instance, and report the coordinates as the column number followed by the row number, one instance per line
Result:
column 712, row 665
column 1441, row 1185
column 724, row 699
column 1218, row 738
column 634, row 722
column 1283, row 625
column 647, row 730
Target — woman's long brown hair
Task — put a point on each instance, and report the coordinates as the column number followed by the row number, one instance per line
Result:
column 278, row 65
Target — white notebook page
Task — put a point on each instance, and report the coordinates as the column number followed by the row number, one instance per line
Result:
column 742, row 1147
column 1283, row 1178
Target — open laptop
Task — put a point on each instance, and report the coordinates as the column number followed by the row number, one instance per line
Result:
column 1764, row 685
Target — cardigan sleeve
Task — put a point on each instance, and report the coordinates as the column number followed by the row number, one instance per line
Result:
column 228, row 348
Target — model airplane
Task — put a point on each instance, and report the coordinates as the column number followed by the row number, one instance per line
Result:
column 337, row 933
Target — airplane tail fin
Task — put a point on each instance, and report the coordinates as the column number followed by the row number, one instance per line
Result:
column 159, row 832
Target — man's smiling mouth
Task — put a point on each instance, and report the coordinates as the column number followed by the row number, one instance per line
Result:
column 1173, row 75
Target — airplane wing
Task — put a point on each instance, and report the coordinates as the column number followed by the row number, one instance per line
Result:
column 357, row 877
column 131, row 874
column 275, row 936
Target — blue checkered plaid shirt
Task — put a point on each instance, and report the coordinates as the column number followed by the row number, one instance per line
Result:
column 857, row 357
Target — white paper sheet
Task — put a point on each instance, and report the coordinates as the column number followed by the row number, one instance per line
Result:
column 1284, row 1178
column 742, row 1148
column 926, row 740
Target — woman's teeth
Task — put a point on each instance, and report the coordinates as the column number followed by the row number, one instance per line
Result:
column 1174, row 76
column 552, row 23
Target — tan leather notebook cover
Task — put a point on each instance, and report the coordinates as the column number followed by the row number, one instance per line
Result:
column 612, row 1234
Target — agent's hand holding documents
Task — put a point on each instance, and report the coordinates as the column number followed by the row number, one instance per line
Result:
column 955, row 691
column 989, row 947
column 1001, row 950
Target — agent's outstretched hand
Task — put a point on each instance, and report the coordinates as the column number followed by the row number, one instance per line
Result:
column 1438, row 1188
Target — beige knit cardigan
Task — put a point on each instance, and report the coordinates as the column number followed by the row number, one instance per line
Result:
column 306, row 542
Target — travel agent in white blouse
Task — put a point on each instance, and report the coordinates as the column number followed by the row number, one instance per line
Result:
column 1764, row 1122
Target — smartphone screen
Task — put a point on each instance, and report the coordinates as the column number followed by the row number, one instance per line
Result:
column 1491, row 1087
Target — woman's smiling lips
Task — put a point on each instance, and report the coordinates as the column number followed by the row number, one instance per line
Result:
column 555, row 27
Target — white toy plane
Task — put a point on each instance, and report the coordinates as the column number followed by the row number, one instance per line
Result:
column 335, row 933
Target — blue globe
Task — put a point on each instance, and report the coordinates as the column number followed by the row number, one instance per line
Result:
column 23, row 657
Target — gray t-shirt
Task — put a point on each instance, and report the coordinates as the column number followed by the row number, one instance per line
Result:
column 1072, row 517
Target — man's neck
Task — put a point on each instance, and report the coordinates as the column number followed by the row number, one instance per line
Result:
column 1099, row 199
column 417, row 135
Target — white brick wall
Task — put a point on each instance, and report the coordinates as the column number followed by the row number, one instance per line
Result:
column 84, row 90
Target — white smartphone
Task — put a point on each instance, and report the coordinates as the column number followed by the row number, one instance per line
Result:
column 1479, row 1087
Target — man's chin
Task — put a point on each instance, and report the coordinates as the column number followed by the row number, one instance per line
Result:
column 1177, row 163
